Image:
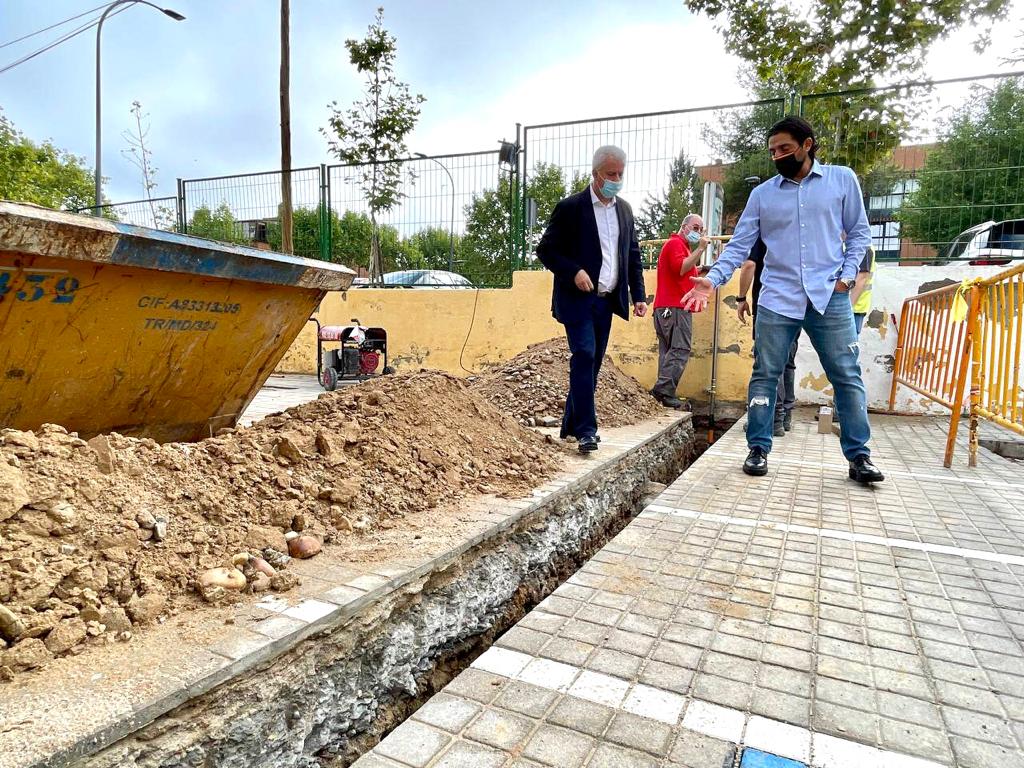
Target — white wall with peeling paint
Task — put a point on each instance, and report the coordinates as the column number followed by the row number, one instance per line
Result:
column 892, row 285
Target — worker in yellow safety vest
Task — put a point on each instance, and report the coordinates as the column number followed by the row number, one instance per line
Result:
column 860, row 294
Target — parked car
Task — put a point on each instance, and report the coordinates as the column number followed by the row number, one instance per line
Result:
column 418, row 278
column 990, row 243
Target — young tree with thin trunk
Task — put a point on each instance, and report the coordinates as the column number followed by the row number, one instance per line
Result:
column 372, row 131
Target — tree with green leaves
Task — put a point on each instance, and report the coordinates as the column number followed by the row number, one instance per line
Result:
column 832, row 46
column 431, row 245
column 372, row 132
column 847, row 43
column 974, row 174
column 662, row 214
column 545, row 185
column 217, row 224
column 484, row 248
column 41, row 173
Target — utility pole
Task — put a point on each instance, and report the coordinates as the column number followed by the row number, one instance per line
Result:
column 286, row 134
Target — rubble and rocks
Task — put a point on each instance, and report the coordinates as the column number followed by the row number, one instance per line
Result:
column 99, row 537
column 531, row 387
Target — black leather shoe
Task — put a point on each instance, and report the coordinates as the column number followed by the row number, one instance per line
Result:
column 863, row 471
column 787, row 421
column 587, row 444
column 757, row 462
column 778, row 430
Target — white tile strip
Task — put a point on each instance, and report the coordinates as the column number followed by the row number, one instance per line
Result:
column 832, row 533
column 739, row 457
column 816, row 749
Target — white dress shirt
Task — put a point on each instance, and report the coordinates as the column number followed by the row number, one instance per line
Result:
column 608, row 231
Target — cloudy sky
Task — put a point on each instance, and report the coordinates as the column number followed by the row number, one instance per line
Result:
column 209, row 83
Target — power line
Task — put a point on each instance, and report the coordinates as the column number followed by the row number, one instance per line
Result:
column 52, row 26
column 64, row 39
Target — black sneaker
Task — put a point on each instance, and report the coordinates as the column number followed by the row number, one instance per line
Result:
column 757, row 462
column 863, row 471
column 787, row 421
column 778, row 430
column 587, row 444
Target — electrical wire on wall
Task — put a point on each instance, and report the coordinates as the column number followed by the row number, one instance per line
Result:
column 472, row 321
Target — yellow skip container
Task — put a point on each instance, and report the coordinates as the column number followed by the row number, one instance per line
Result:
column 109, row 327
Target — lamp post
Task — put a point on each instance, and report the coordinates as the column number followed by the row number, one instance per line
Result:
column 451, row 233
column 99, row 28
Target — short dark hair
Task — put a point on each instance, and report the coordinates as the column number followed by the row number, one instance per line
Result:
column 799, row 129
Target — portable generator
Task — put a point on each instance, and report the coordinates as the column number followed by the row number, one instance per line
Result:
column 361, row 353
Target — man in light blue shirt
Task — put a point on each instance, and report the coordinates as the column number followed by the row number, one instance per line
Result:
column 803, row 216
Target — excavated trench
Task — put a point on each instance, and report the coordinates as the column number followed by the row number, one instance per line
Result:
column 333, row 696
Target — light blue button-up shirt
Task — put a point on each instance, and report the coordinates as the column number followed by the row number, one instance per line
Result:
column 802, row 224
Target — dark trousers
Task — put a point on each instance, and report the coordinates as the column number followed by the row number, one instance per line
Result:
column 785, row 397
column 588, row 341
column 674, row 328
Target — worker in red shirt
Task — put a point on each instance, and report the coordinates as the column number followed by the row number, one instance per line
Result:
column 677, row 267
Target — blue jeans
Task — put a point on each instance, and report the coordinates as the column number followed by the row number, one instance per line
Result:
column 835, row 341
column 858, row 321
column 587, row 342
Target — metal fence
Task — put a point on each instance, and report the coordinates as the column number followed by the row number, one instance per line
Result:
column 452, row 215
column 245, row 209
column 467, row 213
column 670, row 155
column 922, row 192
column 157, row 213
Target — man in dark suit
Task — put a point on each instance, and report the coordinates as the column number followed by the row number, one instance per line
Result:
column 590, row 245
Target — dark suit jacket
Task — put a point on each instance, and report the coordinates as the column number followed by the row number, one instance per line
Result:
column 571, row 243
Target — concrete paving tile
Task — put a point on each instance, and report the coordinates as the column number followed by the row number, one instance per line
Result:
column 609, row 756
column 667, row 676
column 782, row 706
column 639, row 733
column 714, row 721
column 526, row 699
column 984, row 754
column 449, row 713
column 696, row 750
column 559, row 747
column 413, row 743
column 599, row 688
column 584, row 716
column 929, row 743
column 500, row 729
column 778, row 738
column 463, row 754
column 568, row 651
column 654, row 703
column 615, row 663
column 477, row 685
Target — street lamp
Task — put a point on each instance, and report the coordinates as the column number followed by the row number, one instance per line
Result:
column 451, row 234
column 99, row 28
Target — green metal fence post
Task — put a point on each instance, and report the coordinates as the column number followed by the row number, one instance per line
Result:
column 325, row 216
column 180, row 203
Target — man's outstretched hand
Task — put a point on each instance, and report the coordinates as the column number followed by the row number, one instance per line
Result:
column 696, row 300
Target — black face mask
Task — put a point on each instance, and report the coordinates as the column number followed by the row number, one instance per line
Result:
column 789, row 166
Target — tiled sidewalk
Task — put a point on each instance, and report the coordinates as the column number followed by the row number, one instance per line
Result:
column 790, row 620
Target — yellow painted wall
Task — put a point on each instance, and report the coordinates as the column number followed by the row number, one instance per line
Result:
column 427, row 329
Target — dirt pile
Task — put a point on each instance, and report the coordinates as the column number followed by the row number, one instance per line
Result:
column 98, row 537
column 531, row 388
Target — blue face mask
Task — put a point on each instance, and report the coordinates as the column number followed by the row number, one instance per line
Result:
column 693, row 237
column 611, row 188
